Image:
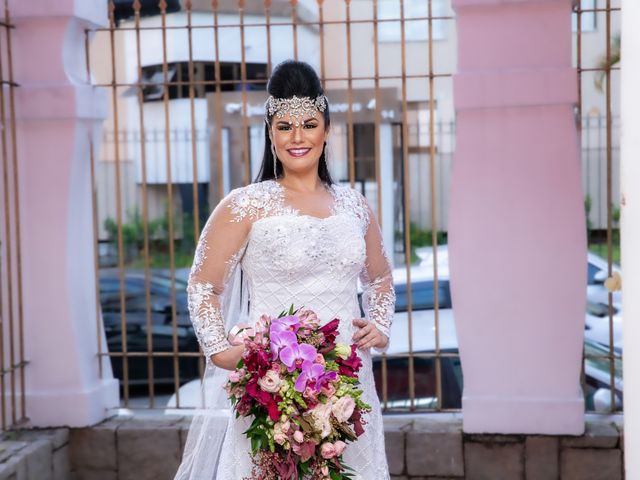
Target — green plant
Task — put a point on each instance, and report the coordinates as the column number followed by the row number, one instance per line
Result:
column 132, row 230
column 587, row 210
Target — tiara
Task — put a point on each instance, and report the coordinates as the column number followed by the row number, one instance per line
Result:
column 296, row 107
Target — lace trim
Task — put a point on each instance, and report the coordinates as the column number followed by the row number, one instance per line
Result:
column 258, row 200
column 352, row 202
column 206, row 318
column 381, row 304
column 201, row 251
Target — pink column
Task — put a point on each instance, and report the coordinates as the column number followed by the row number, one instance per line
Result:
column 57, row 112
column 517, row 224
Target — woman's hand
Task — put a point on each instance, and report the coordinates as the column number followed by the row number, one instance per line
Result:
column 368, row 335
column 238, row 333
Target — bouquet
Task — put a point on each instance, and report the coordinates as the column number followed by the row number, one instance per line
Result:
column 300, row 388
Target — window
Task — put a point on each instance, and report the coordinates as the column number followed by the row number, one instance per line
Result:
column 178, row 73
column 587, row 19
column 414, row 30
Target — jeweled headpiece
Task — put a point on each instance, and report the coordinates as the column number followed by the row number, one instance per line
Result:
column 296, row 107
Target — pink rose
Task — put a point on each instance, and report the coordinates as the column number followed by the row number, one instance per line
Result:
column 270, row 382
column 343, row 408
column 307, row 316
column 298, row 436
column 327, row 450
column 280, row 438
column 339, row 446
column 328, row 389
column 310, row 394
column 235, row 376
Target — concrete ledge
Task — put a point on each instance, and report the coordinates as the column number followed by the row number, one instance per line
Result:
column 419, row 447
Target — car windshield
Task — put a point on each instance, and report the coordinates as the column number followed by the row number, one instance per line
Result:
column 423, row 295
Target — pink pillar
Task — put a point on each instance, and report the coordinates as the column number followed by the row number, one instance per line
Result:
column 517, row 223
column 57, row 113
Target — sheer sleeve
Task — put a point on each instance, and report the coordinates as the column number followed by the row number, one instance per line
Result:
column 378, row 297
column 219, row 250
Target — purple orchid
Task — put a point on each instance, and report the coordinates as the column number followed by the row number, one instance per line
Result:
column 288, row 323
column 280, row 340
column 315, row 374
column 294, row 354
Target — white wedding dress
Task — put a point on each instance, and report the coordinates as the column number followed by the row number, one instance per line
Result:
column 288, row 257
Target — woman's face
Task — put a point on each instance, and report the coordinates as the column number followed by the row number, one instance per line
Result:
column 299, row 147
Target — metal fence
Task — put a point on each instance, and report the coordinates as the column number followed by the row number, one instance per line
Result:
column 12, row 354
column 187, row 83
column 597, row 54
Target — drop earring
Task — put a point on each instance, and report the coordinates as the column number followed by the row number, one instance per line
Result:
column 275, row 161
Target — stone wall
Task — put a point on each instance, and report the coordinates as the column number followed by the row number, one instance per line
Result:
column 419, row 447
column 35, row 454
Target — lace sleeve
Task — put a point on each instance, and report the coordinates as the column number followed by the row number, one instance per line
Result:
column 219, row 250
column 378, row 297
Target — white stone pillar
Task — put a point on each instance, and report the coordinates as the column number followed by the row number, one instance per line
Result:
column 57, row 112
column 517, row 242
column 630, row 230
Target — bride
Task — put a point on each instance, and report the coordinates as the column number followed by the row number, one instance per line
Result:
column 293, row 237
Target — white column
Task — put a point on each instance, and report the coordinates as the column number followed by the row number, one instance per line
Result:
column 630, row 230
column 386, row 186
column 57, row 112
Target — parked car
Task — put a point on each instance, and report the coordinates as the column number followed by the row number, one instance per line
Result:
column 597, row 308
column 423, row 345
column 161, row 331
column 596, row 327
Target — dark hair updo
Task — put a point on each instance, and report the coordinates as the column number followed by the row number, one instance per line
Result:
column 290, row 78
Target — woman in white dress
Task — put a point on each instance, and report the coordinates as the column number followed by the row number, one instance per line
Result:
column 292, row 237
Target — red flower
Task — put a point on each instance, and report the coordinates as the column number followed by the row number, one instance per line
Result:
column 356, row 418
column 244, row 406
column 265, row 399
column 287, row 468
column 351, row 365
column 257, row 362
column 330, row 332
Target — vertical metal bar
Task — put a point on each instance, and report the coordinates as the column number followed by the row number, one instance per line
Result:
column 245, row 117
column 8, row 247
column 294, row 21
column 434, row 224
column 610, row 202
column 172, row 267
column 267, row 21
column 351, row 154
column 407, row 207
column 378, row 168
column 7, row 264
column 114, row 99
column 321, row 31
column 194, row 133
column 218, row 101
column 96, row 260
column 16, row 206
column 145, row 205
